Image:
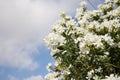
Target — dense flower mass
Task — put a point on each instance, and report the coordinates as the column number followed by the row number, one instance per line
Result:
column 86, row 47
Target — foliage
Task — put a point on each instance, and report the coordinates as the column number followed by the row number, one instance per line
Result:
column 86, row 47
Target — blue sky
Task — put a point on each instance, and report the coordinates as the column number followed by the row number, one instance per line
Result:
column 23, row 26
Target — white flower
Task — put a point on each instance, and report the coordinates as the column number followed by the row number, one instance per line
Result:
column 96, row 77
column 83, row 22
column 51, row 76
column 83, row 4
column 115, row 12
column 90, row 74
column 108, row 39
column 98, row 70
column 106, row 53
column 104, row 7
column 70, row 23
column 93, row 25
column 106, row 1
column 72, row 79
column 49, row 67
column 112, row 77
column 90, row 31
column 53, row 40
column 62, row 14
column 57, row 63
column 58, row 28
column 54, row 51
column 79, row 13
column 84, row 48
column 66, row 72
column 88, row 40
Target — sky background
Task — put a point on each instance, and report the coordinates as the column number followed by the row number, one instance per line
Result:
column 23, row 26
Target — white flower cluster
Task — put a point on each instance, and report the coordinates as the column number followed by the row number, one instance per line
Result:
column 51, row 76
column 89, row 41
column 112, row 77
column 53, row 40
column 91, row 74
column 95, row 77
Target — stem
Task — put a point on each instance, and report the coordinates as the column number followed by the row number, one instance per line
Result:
column 108, row 64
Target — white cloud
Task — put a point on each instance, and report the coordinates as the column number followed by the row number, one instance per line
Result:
column 10, row 77
column 37, row 77
column 23, row 25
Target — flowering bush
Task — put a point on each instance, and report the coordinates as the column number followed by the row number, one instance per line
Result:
column 86, row 47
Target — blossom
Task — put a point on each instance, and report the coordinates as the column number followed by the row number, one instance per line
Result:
column 90, row 74
column 112, row 77
column 51, row 76
column 83, row 4
column 86, row 46
column 49, row 67
column 108, row 39
column 53, row 40
column 106, row 1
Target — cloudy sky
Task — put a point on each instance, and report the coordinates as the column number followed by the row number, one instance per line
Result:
column 23, row 26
